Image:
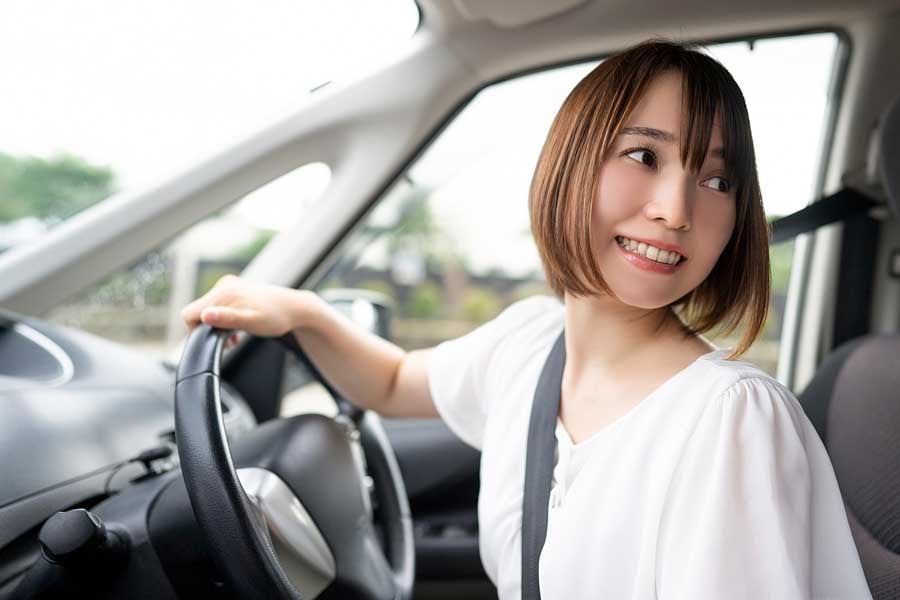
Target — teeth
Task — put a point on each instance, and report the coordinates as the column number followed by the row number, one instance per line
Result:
column 651, row 252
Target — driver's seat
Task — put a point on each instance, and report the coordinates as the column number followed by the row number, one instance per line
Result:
column 854, row 402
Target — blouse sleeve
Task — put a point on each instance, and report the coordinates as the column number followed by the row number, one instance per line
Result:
column 736, row 523
column 458, row 369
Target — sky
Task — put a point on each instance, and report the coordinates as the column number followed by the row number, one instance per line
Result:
column 149, row 88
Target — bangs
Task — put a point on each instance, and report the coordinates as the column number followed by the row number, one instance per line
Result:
column 707, row 88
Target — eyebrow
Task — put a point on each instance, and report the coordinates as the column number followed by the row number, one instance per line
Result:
column 665, row 137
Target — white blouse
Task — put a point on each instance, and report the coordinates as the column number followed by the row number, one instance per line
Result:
column 715, row 486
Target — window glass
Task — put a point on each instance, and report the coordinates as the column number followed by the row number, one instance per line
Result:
column 450, row 243
column 141, row 306
column 102, row 97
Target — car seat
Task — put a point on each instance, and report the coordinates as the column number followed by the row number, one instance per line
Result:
column 854, row 402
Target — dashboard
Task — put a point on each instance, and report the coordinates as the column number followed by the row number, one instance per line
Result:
column 76, row 410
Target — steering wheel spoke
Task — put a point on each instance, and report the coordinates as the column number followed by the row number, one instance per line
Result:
column 302, row 551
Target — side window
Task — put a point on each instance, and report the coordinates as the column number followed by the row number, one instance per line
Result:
column 789, row 141
column 140, row 306
column 451, row 242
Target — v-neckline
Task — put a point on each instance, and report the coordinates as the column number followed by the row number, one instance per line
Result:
column 563, row 435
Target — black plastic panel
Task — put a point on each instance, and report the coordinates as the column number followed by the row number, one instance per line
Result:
column 60, row 441
column 25, row 359
column 115, row 405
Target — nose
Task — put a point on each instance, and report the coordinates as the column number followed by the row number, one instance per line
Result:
column 670, row 203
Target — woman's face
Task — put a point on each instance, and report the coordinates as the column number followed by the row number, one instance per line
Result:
column 645, row 193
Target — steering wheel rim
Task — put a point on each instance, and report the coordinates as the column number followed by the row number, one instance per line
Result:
column 235, row 527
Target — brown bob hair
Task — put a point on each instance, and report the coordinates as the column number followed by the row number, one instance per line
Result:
column 565, row 178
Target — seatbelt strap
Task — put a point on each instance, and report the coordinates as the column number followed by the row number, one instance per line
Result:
column 539, row 459
column 837, row 207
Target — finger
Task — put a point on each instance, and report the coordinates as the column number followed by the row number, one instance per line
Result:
column 190, row 314
column 226, row 317
column 224, row 281
column 220, row 293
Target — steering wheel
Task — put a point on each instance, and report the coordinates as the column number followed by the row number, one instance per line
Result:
column 287, row 514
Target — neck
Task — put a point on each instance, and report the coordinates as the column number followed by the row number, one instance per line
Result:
column 605, row 336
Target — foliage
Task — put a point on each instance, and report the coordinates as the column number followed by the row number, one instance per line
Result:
column 248, row 251
column 424, row 301
column 530, row 288
column 377, row 285
column 780, row 258
column 480, row 304
column 208, row 277
column 772, row 327
column 51, row 190
column 415, row 225
column 416, row 232
column 146, row 283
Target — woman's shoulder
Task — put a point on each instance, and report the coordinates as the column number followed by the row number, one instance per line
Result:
column 528, row 316
column 742, row 394
column 532, row 325
column 531, row 307
column 738, row 375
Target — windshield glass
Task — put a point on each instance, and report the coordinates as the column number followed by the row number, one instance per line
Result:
column 102, row 97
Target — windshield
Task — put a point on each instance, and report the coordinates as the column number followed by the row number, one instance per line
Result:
column 105, row 97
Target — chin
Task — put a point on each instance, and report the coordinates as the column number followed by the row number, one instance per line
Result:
column 642, row 300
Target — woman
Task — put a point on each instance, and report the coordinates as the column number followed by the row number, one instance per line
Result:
column 680, row 472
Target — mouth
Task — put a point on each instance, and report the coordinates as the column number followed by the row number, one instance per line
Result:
column 651, row 254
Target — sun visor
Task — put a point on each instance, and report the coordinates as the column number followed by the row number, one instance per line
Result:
column 889, row 156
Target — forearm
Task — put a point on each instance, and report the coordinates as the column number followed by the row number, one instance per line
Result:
column 360, row 365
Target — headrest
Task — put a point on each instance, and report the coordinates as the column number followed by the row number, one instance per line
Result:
column 889, row 156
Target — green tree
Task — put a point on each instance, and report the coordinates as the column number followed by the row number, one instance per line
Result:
column 248, row 251
column 415, row 227
column 51, row 190
column 480, row 304
column 424, row 301
column 416, row 231
column 530, row 288
column 780, row 258
column 377, row 286
column 208, row 277
column 148, row 282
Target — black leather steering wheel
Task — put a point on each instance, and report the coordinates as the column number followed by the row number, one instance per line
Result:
column 286, row 511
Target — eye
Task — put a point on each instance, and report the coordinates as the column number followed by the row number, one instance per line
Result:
column 645, row 156
column 720, row 184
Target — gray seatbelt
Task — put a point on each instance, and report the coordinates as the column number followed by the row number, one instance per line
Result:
column 839, row 206
column 539, row 459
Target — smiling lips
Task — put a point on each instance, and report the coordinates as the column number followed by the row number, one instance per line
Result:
column 666, row 257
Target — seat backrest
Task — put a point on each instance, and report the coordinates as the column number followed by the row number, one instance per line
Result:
column 854, row 402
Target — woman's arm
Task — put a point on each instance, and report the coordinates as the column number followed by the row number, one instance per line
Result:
column 366, row 369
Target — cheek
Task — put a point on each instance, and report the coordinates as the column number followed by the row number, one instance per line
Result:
column 715, row 223
column 722, row 220
column 620, row 193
